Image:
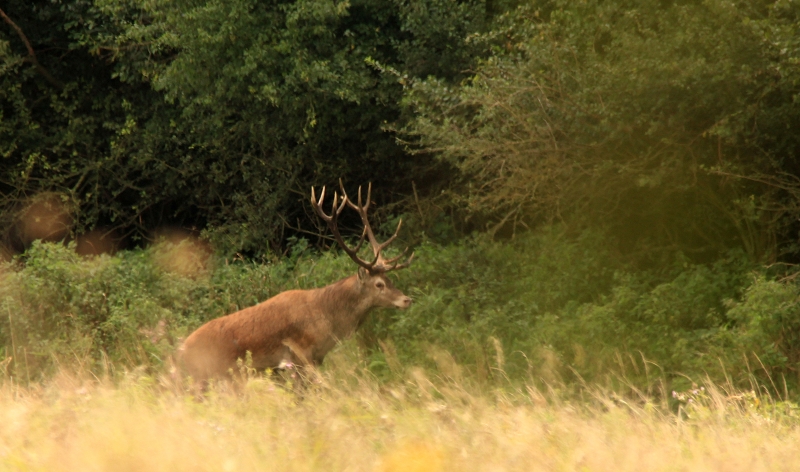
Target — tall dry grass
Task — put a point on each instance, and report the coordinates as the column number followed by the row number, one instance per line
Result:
column 349, row 421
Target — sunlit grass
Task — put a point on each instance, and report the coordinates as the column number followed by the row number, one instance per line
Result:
column 349, row 421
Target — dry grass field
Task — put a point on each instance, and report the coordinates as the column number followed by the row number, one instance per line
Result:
column 349, row 421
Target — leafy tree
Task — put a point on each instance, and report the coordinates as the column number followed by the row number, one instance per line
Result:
column 662, row 120
column 63, row 133
column 216, row 115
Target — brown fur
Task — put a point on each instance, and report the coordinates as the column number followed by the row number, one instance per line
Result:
column 296, row 326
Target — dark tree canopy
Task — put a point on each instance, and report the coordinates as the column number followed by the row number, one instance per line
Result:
column 672, row 124
column 215, row 115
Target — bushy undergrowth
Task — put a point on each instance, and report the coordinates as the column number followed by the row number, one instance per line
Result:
column 566, row 309
column 547, row 307
column 129, row 309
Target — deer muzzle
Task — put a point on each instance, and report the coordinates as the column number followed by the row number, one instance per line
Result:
column 403, row 302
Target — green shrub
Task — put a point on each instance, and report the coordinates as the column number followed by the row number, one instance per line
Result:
column 564, row 308
column 470, row 293
column 547, row 306
column 667, row 325
column 764, row 335
column 59, row 306
column 130, row 309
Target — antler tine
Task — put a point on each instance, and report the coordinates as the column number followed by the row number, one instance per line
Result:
column 386, row 243
column 393, row 260
column 369, row 197
column 332, row 220
column 378, row 264
column 362, row 208
column 349, row 201
column 316, row 204
column 404, row 264
column 391, row 264
column 360, row 240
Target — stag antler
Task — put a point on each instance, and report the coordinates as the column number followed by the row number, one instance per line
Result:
column 378, row 264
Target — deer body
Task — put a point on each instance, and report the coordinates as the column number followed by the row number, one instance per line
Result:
column 296, row 326
column 300, row 326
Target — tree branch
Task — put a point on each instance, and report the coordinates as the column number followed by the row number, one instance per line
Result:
column 31, row 53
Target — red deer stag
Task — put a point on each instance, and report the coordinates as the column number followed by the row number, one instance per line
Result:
column 300, row 326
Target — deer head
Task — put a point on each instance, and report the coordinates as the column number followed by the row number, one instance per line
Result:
column 370, row 273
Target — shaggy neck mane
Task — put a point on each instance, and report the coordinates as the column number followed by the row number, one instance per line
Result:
column 345, row 304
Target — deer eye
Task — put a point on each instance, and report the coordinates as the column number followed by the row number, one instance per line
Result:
column 380, row 284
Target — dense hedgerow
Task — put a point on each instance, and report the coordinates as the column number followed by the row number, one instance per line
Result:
column 546, row 307
column 129, row 309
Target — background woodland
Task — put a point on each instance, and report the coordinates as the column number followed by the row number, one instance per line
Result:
column 602, row 191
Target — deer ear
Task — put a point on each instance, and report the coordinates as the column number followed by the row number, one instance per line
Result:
column 362, row 274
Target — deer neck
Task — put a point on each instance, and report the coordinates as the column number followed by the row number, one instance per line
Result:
column 345, row 305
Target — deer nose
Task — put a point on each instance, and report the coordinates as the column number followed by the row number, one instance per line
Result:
column 404, row 302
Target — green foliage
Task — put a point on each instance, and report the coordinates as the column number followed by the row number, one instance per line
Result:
column 61, row 307
column 668, row 123
column 130, row 309
column 660, row 135
column 67, row 137
column 213, row 115
column 766, row 326
column 545, row 307
column 638, row 116
column 669, row 324
column 465, row 293
column 565, row 307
